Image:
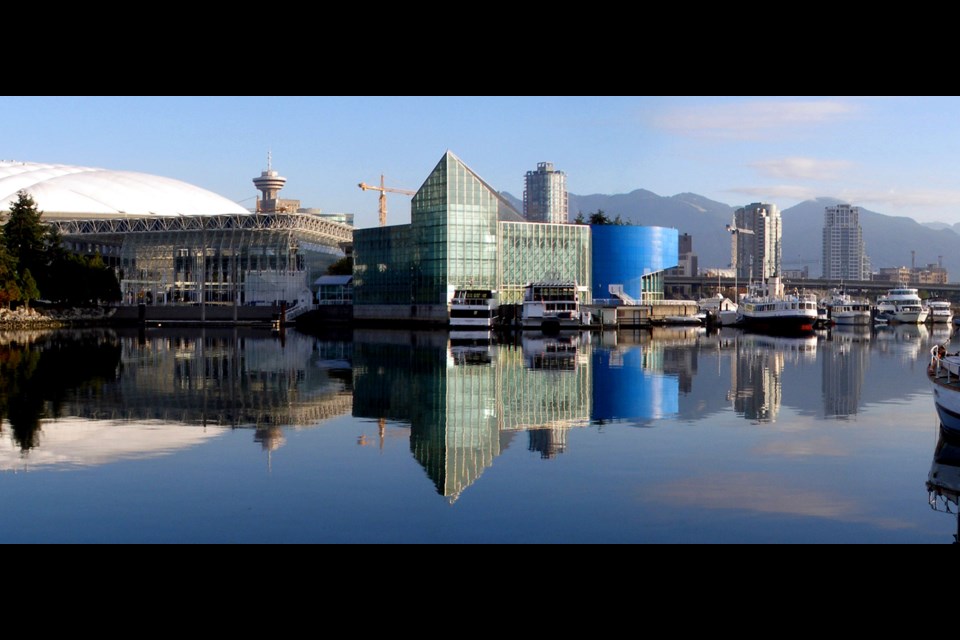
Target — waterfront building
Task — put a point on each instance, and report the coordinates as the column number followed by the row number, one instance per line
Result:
column 174, row 243
column 634, row 257
column 843, row 249
column 462, row 233
column 545, row 195
column 757, row 252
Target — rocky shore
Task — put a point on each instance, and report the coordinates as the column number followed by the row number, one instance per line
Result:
column 51, row 318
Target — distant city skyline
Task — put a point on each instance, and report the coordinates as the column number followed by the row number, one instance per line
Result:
column 895, row 155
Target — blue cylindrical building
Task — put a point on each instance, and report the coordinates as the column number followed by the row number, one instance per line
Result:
column 625, row 254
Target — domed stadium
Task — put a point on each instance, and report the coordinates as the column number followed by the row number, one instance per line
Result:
column 173, row 244
column 62, row 190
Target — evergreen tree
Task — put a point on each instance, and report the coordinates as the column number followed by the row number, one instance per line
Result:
column 579, row 219
column 342, row 267
column 24, row 234
column 9, row 290
column 599, row 217
column 28, row 288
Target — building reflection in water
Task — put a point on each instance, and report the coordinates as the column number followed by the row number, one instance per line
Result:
column 757, row 385
column 466, row 403
column 234, row 378
column 638, row 375
column 943, row 481
column 845, row 359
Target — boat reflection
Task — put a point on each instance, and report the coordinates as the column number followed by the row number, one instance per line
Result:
column 943, row 481
column 905, row 340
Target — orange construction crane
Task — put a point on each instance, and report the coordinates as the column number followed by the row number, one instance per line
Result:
column 383, row 196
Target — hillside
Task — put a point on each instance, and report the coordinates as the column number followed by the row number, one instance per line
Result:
column 888, row 239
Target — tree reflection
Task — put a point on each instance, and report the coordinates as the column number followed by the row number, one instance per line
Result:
column 37, row 373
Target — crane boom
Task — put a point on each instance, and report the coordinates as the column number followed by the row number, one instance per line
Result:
column 383, row 196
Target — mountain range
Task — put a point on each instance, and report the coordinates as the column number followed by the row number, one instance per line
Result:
column 889, row 240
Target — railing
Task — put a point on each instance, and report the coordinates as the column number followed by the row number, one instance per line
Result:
column 298, row 310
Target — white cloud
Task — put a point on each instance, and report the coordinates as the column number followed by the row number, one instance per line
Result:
column 921, row 198
column 764, row 493
column 776, row 192
column 751, row 120
column 797, row 168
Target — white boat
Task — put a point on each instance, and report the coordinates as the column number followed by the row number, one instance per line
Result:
column 842, row 308
column 939, row 311
column 682, row 320
column 901, row 305
column 551, row 305
column 473, row 309
column 944, row 372
column 767, row 308
column 723, row 309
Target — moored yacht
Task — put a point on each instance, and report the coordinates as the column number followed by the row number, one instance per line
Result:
column 473, row 309
column 721, row 308
column 902, row 305
column 842, row 308
column 939, row 311
column 551, row 305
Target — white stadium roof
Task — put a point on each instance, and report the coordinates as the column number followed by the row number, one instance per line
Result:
column 63, row 189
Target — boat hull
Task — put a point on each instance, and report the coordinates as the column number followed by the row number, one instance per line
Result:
column 945, row 376
column 779, row 323
column 857, row 318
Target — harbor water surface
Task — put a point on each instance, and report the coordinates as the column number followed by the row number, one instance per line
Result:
column 651, row 436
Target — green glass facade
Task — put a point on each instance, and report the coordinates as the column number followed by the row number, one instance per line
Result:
column 532, row 252
column 454, row 216
column 382, row 265
column 458, row 237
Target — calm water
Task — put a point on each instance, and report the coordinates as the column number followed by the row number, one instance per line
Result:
column 663, row 436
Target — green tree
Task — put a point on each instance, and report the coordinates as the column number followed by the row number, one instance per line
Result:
column 28, row 288
column 579, row 219
column 9, row 290
column 105, row 287
column 24, row 233
column 599, row 217
column 342, row 267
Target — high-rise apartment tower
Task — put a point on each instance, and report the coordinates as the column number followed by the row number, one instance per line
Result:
column 843, row 250
column 757, row 252
column 545, row 195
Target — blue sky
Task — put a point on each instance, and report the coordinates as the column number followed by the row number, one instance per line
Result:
column 896, row 155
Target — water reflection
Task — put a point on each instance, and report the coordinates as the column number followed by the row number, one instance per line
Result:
column 165, row 379
column 845, row 359
column 40, row 376
column 466, row 404
column 943, row 481
column 66, row 395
